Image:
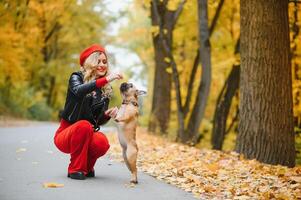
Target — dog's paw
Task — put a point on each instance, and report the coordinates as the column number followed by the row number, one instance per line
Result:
column 134, row 181
column 130, row 185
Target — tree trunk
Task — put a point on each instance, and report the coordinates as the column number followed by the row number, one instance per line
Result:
column 160, row 111
column 161, row 93
column 223, row 104
column 295, row 65
column 223, row 107
column 204, row 87
column 266, row 115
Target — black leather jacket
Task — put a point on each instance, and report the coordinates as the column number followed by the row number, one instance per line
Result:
column 79, row 101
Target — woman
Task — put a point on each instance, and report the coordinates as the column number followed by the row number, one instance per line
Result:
column 81, row 116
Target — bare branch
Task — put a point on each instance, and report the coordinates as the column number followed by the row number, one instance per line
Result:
column 197, row 58
column 175, row 73
column 233, row 122
column 216, row 16
column 179, row 11
column 56, row 26
column 157, row 18
column 190, row 84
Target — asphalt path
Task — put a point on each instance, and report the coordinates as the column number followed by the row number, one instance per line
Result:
column 29, row 159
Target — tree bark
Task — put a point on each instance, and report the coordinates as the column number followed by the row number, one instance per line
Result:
column 266, row 114
column 223, row 107
column 161, row 93
column 166, row 21
column 204, row 87
column 160, row 111
column 223, row 104
column 197, row 58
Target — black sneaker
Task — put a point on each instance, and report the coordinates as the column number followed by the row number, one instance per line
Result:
column 77, row 176
column 91, row 174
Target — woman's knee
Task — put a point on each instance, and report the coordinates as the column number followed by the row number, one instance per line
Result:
column 100, row 144
column 106, row 145
column 84, row 126
column 83, row 129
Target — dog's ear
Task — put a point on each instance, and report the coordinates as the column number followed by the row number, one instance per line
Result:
column 123, row 87
column 141, row 92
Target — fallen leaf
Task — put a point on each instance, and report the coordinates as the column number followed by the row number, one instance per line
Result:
column 130, row 185
column 20, row 150
column 52, row 185
column 213, row 167
column 296, row 178
column 210, row 174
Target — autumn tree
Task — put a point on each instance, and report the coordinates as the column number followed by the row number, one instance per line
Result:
column 295, row 8
column 266, row 105
column 223, row 105
column 39, row 46
column 204, row 86
column 190, row 109
column 164, row 15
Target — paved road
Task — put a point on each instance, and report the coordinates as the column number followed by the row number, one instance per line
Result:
column 29, row 158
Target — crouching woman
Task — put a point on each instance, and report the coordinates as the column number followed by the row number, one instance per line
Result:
column 86, row 108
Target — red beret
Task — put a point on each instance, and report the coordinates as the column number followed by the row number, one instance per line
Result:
column 88, row 51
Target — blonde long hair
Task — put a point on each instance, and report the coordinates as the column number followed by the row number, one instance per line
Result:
column 89, row 70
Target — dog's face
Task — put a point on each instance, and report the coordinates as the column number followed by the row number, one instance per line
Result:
column 128, row 90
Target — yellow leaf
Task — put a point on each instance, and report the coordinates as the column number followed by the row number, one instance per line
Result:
column 52, row 185
column 268, row 195
column 130, row 185
column 296, row 178
column 165, row 31
column 146, row 3
column 282, row 196
column 155, row 30
column 20, row 150
column 172, row 5
column 213, row 167
column 209, row 188
column 168, row 70
column 166, row 59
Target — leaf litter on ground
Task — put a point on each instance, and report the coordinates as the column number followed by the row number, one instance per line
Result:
column 211, row 174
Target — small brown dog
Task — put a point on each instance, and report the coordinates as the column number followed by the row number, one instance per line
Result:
column 127, row 120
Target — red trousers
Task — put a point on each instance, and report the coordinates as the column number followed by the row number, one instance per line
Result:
column 83, row 144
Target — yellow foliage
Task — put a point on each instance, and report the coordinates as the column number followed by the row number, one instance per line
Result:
column 167, row 60
column 169, row 70
column 172, row 5
column 165, row 31
column 155, row 30
column 296, row 59
column 146, row 3
column 39, row 46
column 10, row 53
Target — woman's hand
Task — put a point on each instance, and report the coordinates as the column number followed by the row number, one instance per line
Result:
column 112, row 112
column 114, row 76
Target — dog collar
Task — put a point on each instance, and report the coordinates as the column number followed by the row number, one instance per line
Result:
column 132, row 102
